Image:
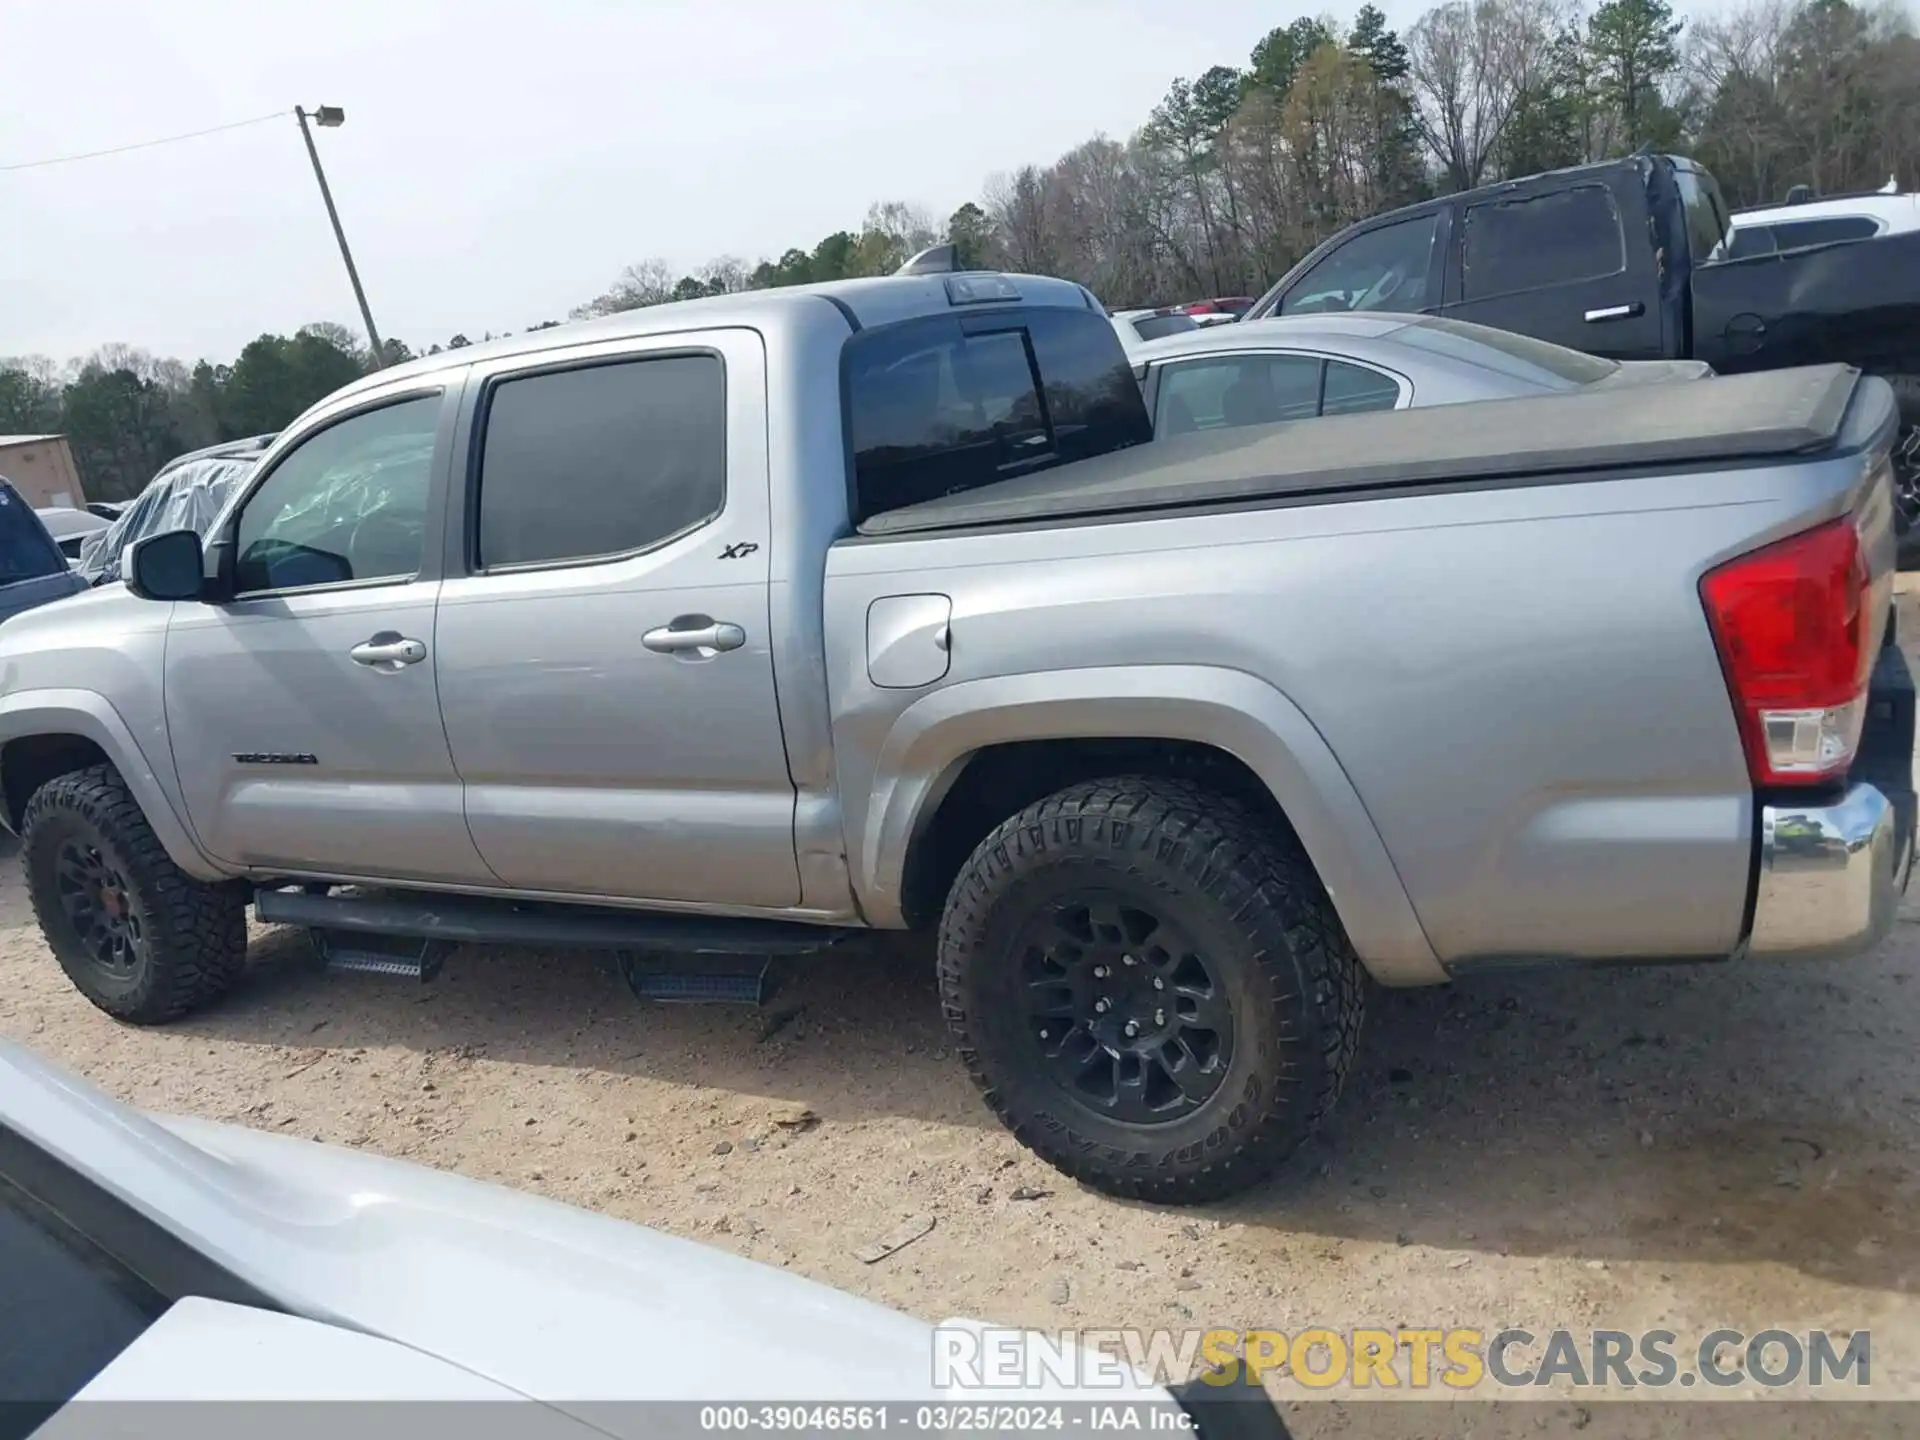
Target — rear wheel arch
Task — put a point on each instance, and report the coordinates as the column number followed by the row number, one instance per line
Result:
column 1241, row 731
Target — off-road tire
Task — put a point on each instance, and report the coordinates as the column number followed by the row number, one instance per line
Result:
column 195, row 934
column 1244, row 890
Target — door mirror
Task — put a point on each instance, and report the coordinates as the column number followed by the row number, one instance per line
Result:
column 164, row 567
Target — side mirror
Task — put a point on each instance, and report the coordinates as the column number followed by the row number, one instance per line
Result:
column 164, row 567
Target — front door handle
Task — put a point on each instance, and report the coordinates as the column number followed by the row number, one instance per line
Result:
column 1616, row 312
column 694, row 632
column 388, row 651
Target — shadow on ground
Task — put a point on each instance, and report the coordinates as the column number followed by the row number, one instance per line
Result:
column 1707, row 1114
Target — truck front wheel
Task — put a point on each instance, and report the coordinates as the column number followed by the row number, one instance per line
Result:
column 1150, row 987
column 139, row 937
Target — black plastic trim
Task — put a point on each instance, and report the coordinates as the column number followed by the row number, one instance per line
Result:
column 476, row 920
column 846, row 311
column 160, row 1258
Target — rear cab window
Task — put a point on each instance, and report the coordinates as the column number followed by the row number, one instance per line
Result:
column 1531, row 242
column 948, row 403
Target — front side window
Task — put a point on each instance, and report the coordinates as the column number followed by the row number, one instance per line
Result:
column 1540, row 240
column 346, row 504
column 937, row 406
column 1385, row 269
column 603, row 460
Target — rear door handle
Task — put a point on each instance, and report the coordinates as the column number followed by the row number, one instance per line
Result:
column 1616, row 312
column 713, row 636
column 388, row 651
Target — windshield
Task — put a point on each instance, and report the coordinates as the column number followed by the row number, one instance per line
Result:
column 1550, row 367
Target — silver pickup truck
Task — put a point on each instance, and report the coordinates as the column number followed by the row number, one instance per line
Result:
column 723, row 630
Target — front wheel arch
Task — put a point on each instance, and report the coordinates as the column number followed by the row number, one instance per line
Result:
column 72, row 719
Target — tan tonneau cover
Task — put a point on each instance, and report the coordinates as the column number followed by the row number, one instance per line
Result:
column 1726, row 418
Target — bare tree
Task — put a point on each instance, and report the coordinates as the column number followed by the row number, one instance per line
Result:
column 651, row 282
column 1470, row 63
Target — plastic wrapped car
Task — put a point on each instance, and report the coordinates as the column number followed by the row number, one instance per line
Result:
column 186, row 494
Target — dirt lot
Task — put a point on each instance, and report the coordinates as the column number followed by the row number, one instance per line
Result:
column 1687, row 1148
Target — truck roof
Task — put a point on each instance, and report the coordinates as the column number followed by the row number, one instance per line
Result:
column 1770, row 413
column 862, row 303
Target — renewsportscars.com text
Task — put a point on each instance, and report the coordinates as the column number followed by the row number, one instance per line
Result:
column 1404, row 1358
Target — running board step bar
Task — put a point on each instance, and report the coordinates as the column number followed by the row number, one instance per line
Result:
column 474, row 920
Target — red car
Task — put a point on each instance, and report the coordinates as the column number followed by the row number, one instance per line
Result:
column 1233, row 305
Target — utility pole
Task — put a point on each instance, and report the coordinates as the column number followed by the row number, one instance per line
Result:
column 330, row 117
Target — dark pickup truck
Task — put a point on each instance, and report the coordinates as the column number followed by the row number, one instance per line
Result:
column 1629, row 259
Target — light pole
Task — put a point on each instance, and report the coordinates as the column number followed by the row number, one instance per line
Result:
column 329, row 117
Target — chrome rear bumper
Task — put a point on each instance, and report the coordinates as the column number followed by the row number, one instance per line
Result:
column 1831, row 876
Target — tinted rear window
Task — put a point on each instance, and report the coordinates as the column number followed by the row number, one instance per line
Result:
column 1542, row 240
column 1798, row 234
column 1552, row 367
column 950, row 403
column 26, row 550
column 1152, row 327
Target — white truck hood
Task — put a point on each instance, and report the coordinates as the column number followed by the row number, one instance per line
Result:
column 555, row 1303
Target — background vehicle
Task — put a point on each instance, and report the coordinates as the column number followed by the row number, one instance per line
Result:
column 70, row 528
column 1220, row 308
column 1795, row 225
column 162, row 1258
column 185, row 494
column 33, row 570
column 1302, row 367
column 1626, row 259
column 106, row 509
column 731, row 628
column 1136, row 327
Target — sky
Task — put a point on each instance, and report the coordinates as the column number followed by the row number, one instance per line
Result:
column 502, row 160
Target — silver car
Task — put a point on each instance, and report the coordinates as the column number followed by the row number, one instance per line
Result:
column 1139, row 327
column 1259, row 372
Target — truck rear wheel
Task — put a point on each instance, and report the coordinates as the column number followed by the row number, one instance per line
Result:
column 1150, row 988
column 139, row 937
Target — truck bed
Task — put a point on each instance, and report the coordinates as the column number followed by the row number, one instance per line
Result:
column 1772, row 414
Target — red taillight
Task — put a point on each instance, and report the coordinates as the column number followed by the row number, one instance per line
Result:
column 1793, row 628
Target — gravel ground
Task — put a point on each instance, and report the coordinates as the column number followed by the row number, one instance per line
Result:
column 1635, row 1148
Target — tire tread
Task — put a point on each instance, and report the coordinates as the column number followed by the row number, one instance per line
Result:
column 198, row 932
column 1260, row 876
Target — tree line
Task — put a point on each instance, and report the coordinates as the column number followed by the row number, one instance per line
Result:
column 126, row 412
column 1238, row 173
column 1230, row 179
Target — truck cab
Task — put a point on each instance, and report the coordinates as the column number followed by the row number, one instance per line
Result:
column 1575, row 256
